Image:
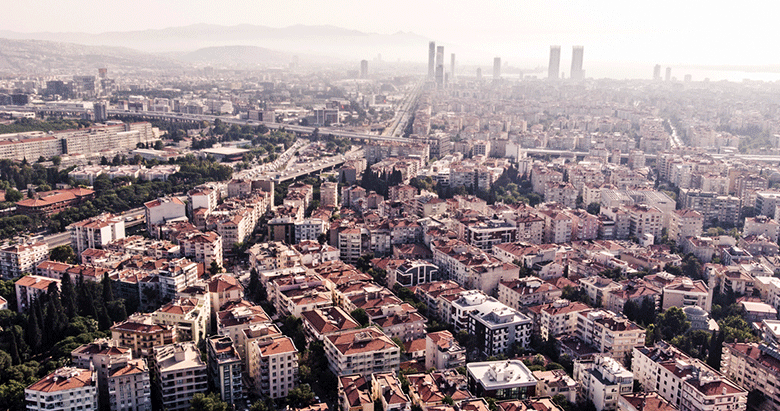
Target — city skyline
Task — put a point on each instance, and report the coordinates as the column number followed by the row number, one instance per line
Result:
column 518, row 32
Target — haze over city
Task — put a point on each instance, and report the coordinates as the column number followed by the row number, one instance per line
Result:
column 396, row 206
column 621, row 39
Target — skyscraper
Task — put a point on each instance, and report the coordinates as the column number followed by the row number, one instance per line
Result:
column 657, row 72
column 496, row 68
column 363, row 68
column 452, row 67
column 554, row 68
column 479, row 74
column 668, row 74
column 431, row 55
column 576, row 63
column 440, row 66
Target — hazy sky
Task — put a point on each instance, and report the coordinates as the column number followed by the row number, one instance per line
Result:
column 667, row 32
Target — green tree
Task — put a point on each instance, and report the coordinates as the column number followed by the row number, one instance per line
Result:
column 300, row 396
column 63, row 253
column 716, row 350
column 214, row 268
column 108, row 291
column 673, row 322
column 594, row 208
column 210, row 402
column 68, row 296
column 360, row 316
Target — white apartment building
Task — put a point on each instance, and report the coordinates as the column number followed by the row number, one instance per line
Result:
column 761, row 225
column 225, row 368
column 442, row 351
column 329, row 194
column 191, row 316
column 104, row 355
column 273, row 366
column 559, row 318
column 754, row 367
column 207, row 198
column 129, row 386
column 685, row 223
column 496, row 326
column 683, row 381
column 96, row 232
column 502, row 380
column 66, row 389
column 162, row 210
column 350, row 244
column 556, row 382
column 310, row 229
column 180, row 373
column 609, row 333
column 22, row 258
column 29, row 288
column 235, row 317
column 362, row 351
column 645, row 219
column 527, row 291
column 603, row 380
column 202, row 247
column 684, row 292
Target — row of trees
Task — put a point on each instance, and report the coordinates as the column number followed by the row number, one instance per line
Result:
column 51, row 124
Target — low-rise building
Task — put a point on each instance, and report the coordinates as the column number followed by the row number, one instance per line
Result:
column 527, row 291
column 502, row 380
column 386, row 388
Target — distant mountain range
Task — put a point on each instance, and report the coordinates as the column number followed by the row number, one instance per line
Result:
column 242, row 45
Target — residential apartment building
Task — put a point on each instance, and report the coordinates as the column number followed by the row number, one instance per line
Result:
column 442, row 351
column 683, row 381
column 273, row 366
column 497, row 327
column 102, row 356
column 502, row 380
column 22, row 258
column 179, row 373
column 202, row 247
column 362, row 351
column 66, row 389
column 556, row 382
column 96, row 232
column 527, row 291
column 685, row 223
column 225, row 368
column 604, row 380
column 609, row 333
column 162, row 210
column 684, row 292
column 30, row 288
column 754, row 367
column 129, row 386
column 559, row 318
column 386, row 389
column 141, row 334
column 190, row 316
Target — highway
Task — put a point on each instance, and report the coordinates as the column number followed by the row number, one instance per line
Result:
column 405, row 112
